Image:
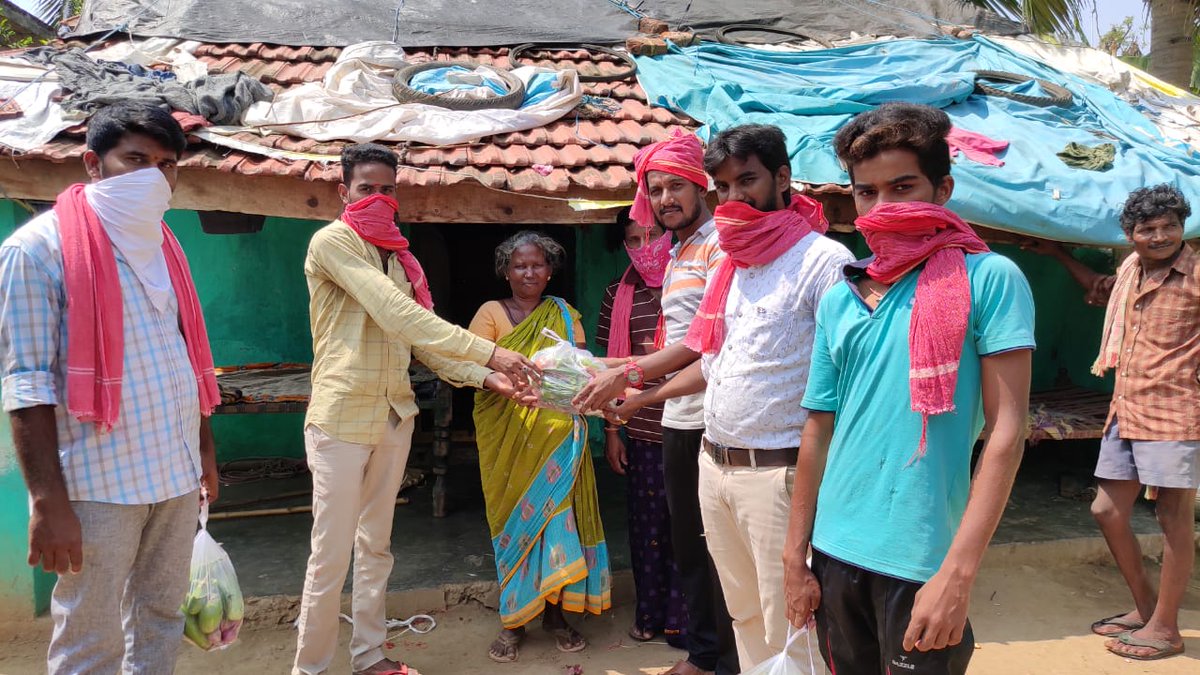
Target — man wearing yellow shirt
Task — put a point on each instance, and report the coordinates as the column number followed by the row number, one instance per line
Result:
column 370, row 313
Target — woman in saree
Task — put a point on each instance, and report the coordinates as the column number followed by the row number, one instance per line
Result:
column 538, row 482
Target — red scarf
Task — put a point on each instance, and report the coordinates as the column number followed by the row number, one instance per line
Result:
column 681, row 155
column 374, row 219
column 902, row 236
column 96, row 352
column 748, row 237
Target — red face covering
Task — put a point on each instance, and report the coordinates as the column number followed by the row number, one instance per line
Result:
column 902, row 236
column 650, row 262
column 374, row 219
column 748, row 237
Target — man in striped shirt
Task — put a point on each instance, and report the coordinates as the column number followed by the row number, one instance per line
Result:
column 672, row 185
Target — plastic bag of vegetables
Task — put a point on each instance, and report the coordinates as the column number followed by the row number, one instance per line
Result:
column 566, row 369
column 213, row 608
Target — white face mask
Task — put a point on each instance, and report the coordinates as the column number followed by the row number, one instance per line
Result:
column 131, row 208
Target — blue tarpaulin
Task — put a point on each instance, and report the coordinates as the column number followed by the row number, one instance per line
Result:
column 437, row 81
column 811, row 94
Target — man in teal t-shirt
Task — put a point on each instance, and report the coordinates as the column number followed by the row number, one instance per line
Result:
column 923, row 345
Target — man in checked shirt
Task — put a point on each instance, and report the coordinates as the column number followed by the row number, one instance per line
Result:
column 111, row 425
column 1152, row 437
column 370, row 312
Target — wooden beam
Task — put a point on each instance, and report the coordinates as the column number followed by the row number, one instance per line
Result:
column 285, row 197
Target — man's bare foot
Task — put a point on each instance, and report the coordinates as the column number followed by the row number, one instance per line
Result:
column 388, row 667
column 686, row 667
column 504, row 648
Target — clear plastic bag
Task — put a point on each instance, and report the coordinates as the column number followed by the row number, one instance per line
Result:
column 213, row 608
column 566, row 370
column 788, row 662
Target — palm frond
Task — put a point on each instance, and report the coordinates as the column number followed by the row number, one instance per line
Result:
column 1039, row 16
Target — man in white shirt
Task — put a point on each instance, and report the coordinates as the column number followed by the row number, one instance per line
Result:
column 754, row 329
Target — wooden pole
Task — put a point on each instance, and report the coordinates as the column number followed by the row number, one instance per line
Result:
column 282, row 511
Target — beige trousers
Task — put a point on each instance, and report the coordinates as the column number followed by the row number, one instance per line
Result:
column 354, row 501
column 745, row 515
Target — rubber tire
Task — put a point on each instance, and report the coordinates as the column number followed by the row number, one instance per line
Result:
column 630, row 70
column 1057, row 95
column 724, row 31
column 406, row 94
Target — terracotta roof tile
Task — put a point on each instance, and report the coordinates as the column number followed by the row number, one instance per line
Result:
column 577, row 151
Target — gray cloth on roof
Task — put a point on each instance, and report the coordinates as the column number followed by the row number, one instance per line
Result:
column 479, row 23
column 91, row 85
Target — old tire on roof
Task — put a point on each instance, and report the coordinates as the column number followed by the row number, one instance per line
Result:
column 724, row 37
column 630, row 70
column 1056, row 95
column 405, row 93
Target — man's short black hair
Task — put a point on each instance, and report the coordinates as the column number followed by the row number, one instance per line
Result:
column 1147, row 203
column 764, row 141
column 110, row 124
column 366, row 153
column 920, row 129
column 614, row 235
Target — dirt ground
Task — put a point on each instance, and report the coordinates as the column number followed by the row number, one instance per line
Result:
column 1028, row 620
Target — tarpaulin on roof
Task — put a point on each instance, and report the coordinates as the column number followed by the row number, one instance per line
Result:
column 478, row 23
column 811, row 94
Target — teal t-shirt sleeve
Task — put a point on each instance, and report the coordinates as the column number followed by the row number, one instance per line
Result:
column 1002, row 302
column 821, row 393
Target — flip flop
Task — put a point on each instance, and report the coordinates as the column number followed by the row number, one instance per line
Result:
column 506, row 640
column 568, row 640
column 639, row 635
column 1162, row 648
column 1119, row 621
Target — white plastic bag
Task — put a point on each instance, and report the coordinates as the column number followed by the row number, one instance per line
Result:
column 566, row 370
column 785, row 663
column 213, row 608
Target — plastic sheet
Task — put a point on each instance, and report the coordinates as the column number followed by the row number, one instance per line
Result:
column 477, row 23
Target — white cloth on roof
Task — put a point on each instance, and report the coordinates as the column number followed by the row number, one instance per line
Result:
column 1174, row 111
column 355, row 103
column 32, row 89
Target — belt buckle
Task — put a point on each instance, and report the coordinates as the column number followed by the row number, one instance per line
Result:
column 720, row 453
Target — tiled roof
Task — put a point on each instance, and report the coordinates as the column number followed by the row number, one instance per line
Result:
column 577, row 151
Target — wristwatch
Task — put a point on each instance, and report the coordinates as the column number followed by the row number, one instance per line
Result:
column 634, row 375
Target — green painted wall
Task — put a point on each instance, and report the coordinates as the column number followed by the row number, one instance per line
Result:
column 24, row 591
column 256, row 308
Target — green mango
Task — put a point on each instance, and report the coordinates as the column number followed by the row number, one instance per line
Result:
column 210, row 615
column 192, row 632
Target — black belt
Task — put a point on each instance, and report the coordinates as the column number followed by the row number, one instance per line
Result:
column 752, row 457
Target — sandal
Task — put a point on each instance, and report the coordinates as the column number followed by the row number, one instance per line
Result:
column 569, row 640
column 1119, row 621
column 504, row 648
column 638, row 635
column 1162, row 648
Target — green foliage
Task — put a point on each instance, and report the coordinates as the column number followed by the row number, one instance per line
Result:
column 1118, row 38
column 1062, row 17
column 9, row 36
column 51, row 11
